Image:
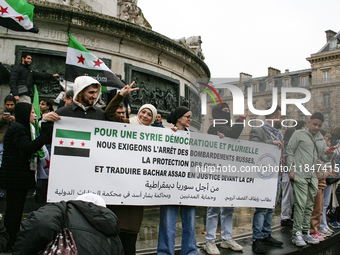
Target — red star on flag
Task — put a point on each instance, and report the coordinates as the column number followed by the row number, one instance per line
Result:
column 81, row 59
column 61, row 142
column 97, row 63
column 72, row 143
column 20, row 18
column 82, row 144
column 47, row 164
column 3, row 10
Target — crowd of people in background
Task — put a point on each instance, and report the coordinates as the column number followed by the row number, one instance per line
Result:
column 307, row 197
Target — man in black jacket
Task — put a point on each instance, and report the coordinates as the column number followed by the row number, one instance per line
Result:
column 22, row 77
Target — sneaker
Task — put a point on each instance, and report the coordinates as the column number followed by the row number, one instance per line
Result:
column 271, row 241
column 309, row 239
column 329, row 229
column 334, row 224
column 298, row 240
column 231, row 244
column 211, row 248
column 318, row 237
column 258, row 247
column 287, row 223
column 324, row 233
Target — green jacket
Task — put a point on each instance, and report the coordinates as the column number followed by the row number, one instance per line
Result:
column 302, row 155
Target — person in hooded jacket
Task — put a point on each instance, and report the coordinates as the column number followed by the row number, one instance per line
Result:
column 222, row 112
column 94, row 228
column 86, row 94
column 17, row 173
column 130, row 217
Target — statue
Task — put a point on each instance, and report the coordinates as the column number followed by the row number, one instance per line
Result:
column 193, row 43
column 129, row 11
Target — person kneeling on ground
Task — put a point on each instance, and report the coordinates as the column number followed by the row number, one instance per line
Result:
column 95, row 228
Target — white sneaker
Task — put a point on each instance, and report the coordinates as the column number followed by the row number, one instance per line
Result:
column 329, row 229
column 298, row 240
column 325, row 232
column 210, row 248
column 309, row 239
column 231, row 244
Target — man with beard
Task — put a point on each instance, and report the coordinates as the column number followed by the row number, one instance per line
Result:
column 6, row 119
column 269, row 133
column 158, row 121
column 86, row 94
column 22, row 78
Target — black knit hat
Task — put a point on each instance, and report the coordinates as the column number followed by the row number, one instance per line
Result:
column 176, row 114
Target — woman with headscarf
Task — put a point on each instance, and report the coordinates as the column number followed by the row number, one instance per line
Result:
column 130, row 217
column 17, row 174
column 181, row 118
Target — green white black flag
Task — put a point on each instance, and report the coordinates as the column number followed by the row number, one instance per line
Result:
column 79, row 61
column 17, row 15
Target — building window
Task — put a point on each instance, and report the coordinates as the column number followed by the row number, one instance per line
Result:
column 254, row 105
column 327, row 100
column 332, row 44
column 326, row 76
column 270, row 85
column 255, row 88
column 268, row 104
column 326, row 120
column 286, row 83
column 304, row 81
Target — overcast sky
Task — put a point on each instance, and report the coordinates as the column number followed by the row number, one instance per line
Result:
column 247, row 35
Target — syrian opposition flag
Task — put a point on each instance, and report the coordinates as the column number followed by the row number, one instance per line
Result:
column 17, row 15
column 79, row 61
column 72, row 143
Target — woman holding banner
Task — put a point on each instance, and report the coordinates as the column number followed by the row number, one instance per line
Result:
column 130, row 217
column 17, row 174
column 181, row 118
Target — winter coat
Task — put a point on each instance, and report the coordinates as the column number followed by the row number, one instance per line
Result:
column 24, row 75
column 15, row 170
column 232, row 132
column 95, row 229
column 74, row 110
column 303, row 154
column 4, row 74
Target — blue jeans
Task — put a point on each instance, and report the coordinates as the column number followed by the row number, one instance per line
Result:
column 226, row 222
column 326, row 200
column 262, row 220
column 167, row 230
column 262, row 223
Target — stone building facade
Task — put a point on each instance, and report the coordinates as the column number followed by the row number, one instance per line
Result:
column 163, row 68
column 322, row 80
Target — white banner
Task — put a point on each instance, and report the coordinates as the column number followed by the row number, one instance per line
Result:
column 138, row 165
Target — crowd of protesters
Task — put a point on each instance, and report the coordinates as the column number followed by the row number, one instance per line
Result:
column 307, row 197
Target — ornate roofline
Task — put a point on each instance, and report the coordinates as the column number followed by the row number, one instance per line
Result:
column 324, row 57
column 75, row 17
